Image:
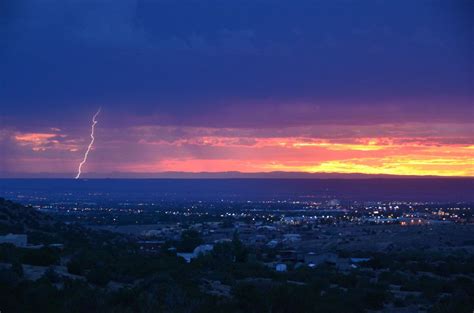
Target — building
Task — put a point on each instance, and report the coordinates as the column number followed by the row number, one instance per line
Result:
column 272, row 243
column 150, row 245
column 291, row 238
column 199, row 250
column 287, row 255
column 18, row 240
column 312, row 259
column 407, row 221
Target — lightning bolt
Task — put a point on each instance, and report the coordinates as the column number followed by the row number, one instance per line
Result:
column 94, row 122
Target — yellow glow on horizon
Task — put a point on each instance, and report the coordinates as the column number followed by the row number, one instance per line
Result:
column 364, row 155
column 389, row 166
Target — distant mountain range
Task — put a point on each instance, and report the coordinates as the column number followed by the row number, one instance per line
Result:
column 219, row 175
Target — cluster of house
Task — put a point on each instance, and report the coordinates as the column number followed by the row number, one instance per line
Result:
column 281, row 238
column 311, row 259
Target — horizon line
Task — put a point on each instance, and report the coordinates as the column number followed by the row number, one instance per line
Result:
column 218, row 175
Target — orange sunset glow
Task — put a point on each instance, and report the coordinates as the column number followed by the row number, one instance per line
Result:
column 367, row 156
column 201, row 149
column 208, row 150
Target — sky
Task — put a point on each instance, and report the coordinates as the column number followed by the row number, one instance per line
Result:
column 375, row 87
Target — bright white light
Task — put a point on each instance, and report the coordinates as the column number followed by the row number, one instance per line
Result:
column 94, row 122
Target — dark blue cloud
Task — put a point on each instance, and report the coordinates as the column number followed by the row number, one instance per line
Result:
column 191, row 60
